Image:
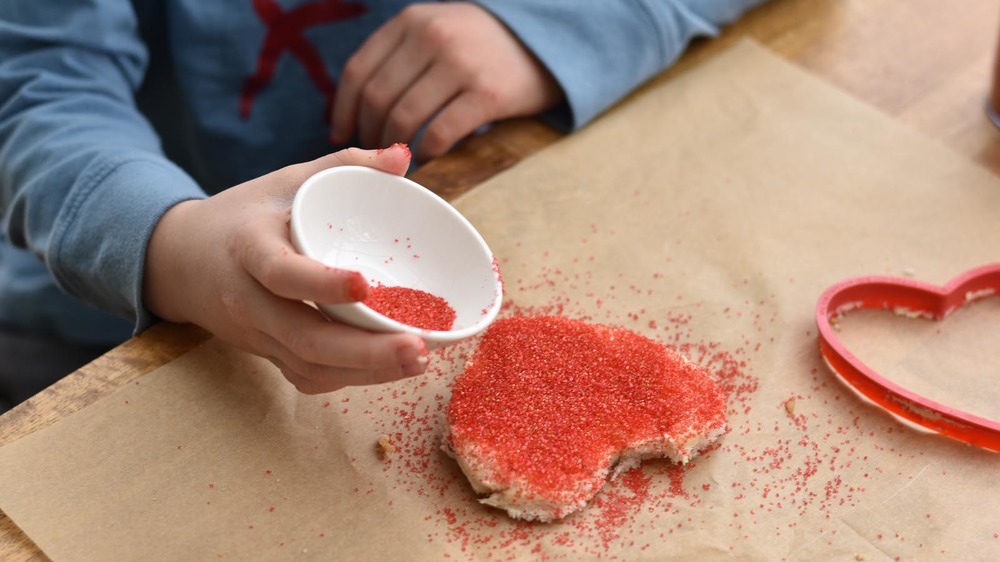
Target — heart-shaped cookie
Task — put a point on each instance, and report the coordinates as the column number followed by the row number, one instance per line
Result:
column 549, row 408
column 911, row 298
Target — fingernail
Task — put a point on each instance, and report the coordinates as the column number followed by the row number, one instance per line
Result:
column 413, row 360
column 357, row 287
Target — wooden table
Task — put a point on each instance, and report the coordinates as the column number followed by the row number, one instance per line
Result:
column 926, row 63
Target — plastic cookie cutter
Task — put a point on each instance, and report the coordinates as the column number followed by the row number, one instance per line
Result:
column 911, row 298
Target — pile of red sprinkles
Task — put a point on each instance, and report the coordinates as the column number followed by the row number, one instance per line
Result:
column 413, row 307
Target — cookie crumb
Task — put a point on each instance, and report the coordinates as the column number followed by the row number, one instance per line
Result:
column 385, row 446
column 859, row 557
column 790, row 406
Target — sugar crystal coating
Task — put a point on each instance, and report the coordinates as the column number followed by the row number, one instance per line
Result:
column 548, row 406
column 412, row 307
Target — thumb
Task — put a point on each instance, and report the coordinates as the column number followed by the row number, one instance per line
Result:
column 394, row 159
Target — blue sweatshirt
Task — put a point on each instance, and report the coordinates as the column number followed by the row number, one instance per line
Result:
column 111, row 112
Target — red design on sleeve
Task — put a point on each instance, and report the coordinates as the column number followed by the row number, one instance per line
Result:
column 284, row 33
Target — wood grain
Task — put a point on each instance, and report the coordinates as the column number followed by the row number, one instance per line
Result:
column 927, row 63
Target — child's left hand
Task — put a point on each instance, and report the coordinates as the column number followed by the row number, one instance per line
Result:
column 451, row 66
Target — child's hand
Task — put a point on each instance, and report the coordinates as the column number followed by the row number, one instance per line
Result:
column 228, row 265
column 451, row 64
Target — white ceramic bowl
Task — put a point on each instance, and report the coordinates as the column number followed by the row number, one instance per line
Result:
column 398, row 233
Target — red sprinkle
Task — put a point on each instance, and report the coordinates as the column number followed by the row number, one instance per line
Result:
column 411, row 306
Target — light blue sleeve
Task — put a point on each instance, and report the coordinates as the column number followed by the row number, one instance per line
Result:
column 83, row 180
column 600, row 50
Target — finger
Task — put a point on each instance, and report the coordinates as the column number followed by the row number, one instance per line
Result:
column 273, row 262
column 334, row 379
column 431, row 92
column 304, row 333
column 458, row 119
column 394, row 159
column 314, row 378
column 308, row 386
column 386, row 86
column 329, row 381
column 356, row 73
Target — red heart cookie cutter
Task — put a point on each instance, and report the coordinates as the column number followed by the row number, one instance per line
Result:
column 912, row 298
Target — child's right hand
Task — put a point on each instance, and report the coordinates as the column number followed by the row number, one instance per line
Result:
column 227, row 264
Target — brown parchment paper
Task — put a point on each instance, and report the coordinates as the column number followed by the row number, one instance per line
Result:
column 709, row 212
